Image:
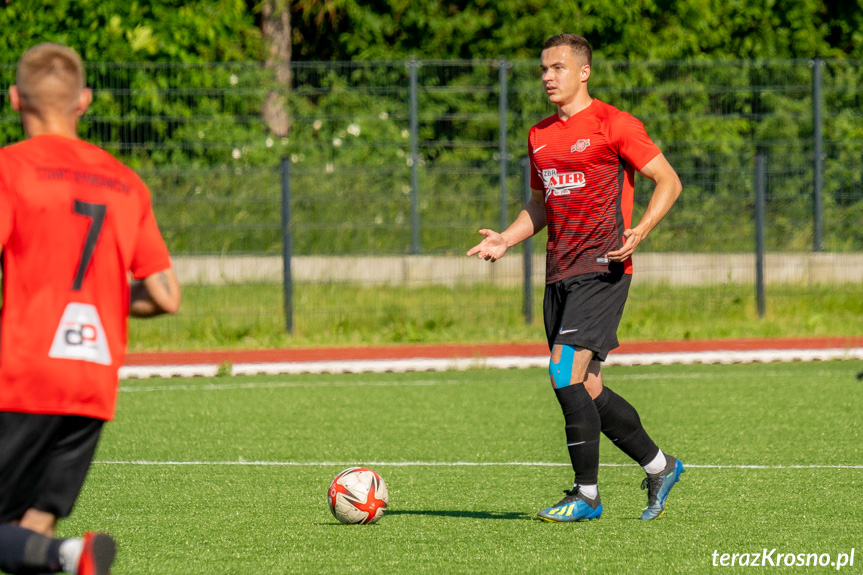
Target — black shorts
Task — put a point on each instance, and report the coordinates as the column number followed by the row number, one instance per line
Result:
column 585, row 310
column 43, row 461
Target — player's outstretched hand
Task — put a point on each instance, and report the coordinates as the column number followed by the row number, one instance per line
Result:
column 491, row 248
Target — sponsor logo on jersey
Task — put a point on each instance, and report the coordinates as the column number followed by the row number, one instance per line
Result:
column 80, row 336
column 561, row 184
column 580, row 146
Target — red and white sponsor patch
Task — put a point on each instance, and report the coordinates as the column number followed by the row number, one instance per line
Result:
column 561, row 184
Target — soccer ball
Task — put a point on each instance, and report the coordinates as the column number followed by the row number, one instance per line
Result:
column 358, row 495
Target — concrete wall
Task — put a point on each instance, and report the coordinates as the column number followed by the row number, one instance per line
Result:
column 654, row 268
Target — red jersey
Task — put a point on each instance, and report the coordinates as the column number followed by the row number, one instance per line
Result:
column 74, row 222
column 586, row 167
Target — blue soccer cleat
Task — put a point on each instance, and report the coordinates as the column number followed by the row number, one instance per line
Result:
column 573, row 507
column 658, row 486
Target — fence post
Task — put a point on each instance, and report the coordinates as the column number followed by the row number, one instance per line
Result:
column 527, row 304
column 413, row 66
column 503, row 104
column 818, row 165
column 287, row 276
column 760, row 208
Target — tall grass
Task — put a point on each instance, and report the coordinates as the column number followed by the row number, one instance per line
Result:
column 251, row 315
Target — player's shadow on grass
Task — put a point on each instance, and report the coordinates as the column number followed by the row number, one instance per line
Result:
column 466, row 514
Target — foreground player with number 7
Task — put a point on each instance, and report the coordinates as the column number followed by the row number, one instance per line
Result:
column 74, row 224
column 584, row 160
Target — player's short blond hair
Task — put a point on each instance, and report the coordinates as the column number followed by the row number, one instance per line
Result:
column 49, row 77
column 578, row 44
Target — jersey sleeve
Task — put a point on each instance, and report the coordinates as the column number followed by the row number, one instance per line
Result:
column 151, row 254
column 628, row 135
column 6, row 217
column 535, row 180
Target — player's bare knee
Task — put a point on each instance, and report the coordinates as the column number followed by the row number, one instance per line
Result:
column 568, row 365
column 593, row 381
column 39, row 521
column 560, row 365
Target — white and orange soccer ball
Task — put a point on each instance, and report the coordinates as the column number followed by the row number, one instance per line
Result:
column 358, row 495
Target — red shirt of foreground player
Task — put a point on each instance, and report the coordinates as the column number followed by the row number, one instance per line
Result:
column 73, row 220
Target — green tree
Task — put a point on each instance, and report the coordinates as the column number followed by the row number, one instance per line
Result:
column 619, row 29
column 123, row 31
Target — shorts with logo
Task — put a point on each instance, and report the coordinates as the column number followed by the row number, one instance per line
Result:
column 44, row 460
column 585, row 310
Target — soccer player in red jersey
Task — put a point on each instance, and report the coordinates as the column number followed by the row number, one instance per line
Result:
column 584, row 160
column 75, row 224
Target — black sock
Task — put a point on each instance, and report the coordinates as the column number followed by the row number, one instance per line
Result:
column 25, row 551
column 621, row 424
column 582, row 432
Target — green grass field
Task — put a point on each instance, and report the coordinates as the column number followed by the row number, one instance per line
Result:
column 229, row 475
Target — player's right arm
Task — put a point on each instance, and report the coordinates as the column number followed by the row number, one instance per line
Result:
column 529, row 221
column 156, row 294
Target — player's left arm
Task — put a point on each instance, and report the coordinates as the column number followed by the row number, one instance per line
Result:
column 156, row 294
column 666, row 192
column 157, row 291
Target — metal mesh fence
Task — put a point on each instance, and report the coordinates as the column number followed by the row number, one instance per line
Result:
column 394, row 166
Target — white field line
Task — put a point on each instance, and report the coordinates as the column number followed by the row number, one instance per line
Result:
column 616, row 377
column 283, row 384
column 508, row 362
column 244, row 463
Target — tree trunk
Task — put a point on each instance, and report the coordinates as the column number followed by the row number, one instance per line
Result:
column 276, row 29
